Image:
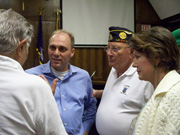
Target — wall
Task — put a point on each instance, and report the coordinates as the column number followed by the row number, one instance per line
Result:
column 145, row 14
column 90, row 59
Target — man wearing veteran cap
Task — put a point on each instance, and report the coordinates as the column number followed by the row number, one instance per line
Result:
column 124, row 94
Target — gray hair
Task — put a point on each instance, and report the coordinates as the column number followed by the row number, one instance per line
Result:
column 71, row 36
column 13, row 29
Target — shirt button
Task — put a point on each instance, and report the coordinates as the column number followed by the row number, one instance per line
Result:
column 62, row 95
column 64, row 109
column 65, row 124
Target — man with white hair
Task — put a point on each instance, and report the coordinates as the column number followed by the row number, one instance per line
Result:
column 26, row 101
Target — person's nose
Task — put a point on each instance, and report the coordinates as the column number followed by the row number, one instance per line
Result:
column 109, row 52
column 57, row 52
column 134, row 63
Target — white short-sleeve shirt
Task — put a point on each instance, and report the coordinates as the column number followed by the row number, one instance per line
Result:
column 122, row 100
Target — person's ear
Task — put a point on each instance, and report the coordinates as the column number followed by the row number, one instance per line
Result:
column 131, row 52
column 72, row 52
column 157, row 61
column 21, row 47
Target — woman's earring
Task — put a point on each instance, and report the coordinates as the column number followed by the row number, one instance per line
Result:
column 155, row 66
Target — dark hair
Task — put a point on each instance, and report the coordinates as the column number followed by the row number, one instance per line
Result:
column 159, row 43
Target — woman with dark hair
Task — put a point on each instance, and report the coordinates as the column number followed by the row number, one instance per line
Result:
column 156, row 58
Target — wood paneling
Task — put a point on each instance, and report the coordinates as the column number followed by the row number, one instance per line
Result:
column 92, row 59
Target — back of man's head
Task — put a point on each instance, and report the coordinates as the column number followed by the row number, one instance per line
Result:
column 13, row 29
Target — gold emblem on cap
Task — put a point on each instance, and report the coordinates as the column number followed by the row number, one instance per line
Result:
column 122, row 35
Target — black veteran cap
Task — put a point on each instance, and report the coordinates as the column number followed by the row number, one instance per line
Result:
column 119, row 34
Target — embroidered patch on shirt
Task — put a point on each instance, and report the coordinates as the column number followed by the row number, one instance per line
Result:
column 125, row 89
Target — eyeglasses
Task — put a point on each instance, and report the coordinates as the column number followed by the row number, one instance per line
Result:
column 114, row 49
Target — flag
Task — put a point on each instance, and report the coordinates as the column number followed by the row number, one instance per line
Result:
column 39, row 47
